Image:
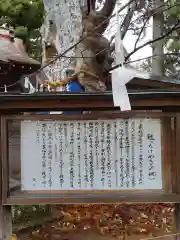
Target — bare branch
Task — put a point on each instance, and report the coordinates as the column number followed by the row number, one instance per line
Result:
column 149, row 13
column 175, row 27
column 142, row 29
column 123, row 7
column 127, row 21
column 147, row 43
column 141, row 59
column 105, row 13
column 125, row 24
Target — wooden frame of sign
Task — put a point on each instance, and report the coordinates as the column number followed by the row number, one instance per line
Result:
column 155, row 178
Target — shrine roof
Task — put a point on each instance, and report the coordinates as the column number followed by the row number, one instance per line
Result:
column 154, row 83
column 12, row 49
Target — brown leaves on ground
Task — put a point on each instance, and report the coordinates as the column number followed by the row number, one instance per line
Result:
column 114, row 220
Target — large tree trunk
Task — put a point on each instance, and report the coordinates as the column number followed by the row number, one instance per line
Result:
column 68, row 21
column 61, row 29
column 158, row 47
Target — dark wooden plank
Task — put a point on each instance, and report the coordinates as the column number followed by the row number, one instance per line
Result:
column 51, row 104
column 177, row 154
column 5, row 211
column 176, row 175
column 177, row 219
column 33, row 199
column 4, row 159
column 5, row 222
column 93, row 101
column 166, row 153
column 93, row 116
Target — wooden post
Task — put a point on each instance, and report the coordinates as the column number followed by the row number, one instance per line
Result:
column 177, row 219
column 5, row 223
column 177, row 176
column 5, row 212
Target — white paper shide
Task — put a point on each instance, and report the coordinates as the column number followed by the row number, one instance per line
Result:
column 120, row 154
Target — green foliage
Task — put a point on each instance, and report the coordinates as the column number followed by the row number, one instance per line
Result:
column 27, row 13
column 172, row 15
column 26, row 17
column 174, row 46
column 171, row 11
column 24, row 214
column 34, row 44
column 21, row 32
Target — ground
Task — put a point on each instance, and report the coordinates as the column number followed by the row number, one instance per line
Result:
column 105, row 222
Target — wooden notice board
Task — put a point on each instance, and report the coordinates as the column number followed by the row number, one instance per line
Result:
column 118, row 154
column 92, row 158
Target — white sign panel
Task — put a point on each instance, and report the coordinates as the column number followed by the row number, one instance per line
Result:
column 115, row 154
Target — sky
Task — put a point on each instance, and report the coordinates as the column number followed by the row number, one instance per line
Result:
column 130, row 40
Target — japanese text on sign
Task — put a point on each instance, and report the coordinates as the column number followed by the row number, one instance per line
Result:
column 91, row 155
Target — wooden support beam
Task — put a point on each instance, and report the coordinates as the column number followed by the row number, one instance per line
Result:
column 5, row 223
column 5, row 213
column 176, row 180
column 177, row 219
column 60, row 101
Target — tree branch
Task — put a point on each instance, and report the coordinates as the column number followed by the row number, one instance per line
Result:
column 141, row 59
column 148, row 14
column 147, row 43
column 142, row 29
column 123, row 7
column 175, row 27
column 92, row 4
column 104, row 13
column 126, row 22
column 108, row 8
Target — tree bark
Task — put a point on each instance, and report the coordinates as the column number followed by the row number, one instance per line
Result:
column 158, row 47
column 68, row 21
column 61, row 29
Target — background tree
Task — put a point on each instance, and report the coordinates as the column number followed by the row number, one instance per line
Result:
column 165, row 53
column 26, row 17
column 172, row 43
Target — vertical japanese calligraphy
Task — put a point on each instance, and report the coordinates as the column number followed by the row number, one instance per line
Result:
column 86, row 160
column 91, row 163
column 44, row 154
column 50, row 153
column 109, row 154
column 102, row 152
column 140, row 143
column 151, row 157
column 121, row 158
column 60, row 133
column 133, row 167
column 71, row 155
column 91, row 155
column 78, row 143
